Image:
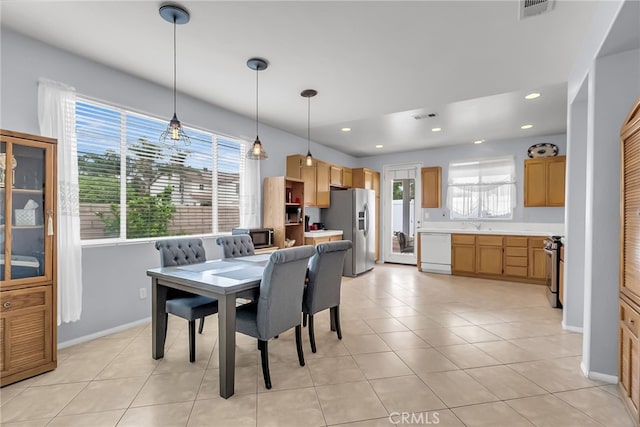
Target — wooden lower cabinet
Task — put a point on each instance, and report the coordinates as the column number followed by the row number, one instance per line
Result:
column 537, row 259
column 489, row 255
column 463, row 254
column 516, row 258
column 629, row 375
column 325, row 239
column 561, row 276
column 26, row 333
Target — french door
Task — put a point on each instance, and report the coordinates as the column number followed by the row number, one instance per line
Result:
column 401, row 212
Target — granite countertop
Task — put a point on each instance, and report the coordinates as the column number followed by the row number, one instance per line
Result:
column 322, row 233
column 511, row 229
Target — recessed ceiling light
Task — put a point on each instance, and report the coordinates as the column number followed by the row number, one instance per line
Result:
column 478, row 141
column 346, row 129
column 436, row 129
column 379, row 146
column 526, row 126
column 532, row 95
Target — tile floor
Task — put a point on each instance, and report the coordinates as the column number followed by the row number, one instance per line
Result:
column 444, row 350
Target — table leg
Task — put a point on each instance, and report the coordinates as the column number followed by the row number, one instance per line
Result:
column 227, row 343
column 158, row 318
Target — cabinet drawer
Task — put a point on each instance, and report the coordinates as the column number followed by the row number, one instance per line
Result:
column 516, row 241
column 510, row 270
column 519, row 252
column 463, row 239
column 21, row 299
column 487, row 240
column 630, row 318
column 536, row 242
column 516, row 261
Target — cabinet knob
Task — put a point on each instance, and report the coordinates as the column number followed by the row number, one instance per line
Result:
column 7, row 304
column 631, row 322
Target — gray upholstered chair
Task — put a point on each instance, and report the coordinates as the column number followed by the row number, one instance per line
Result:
column 183, row 304
column 323, row 287
column 236, row 245
column 278, row 307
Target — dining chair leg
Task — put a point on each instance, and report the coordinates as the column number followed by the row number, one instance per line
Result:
column 264, row 356
column 201, row 325
column 299, row 344
column 312, row 334
column 336, row 318
column 192, row 341
column 332, row 320
column 304, row 319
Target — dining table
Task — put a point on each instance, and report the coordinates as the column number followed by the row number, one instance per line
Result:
column 224, row 279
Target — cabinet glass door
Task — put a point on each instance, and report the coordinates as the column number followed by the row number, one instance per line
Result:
column 27, row 230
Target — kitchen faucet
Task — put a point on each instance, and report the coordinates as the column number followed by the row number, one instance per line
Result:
column 476, row 225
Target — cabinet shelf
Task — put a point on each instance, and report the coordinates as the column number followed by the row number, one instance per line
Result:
column 23, row 227
column 22, row 191
column 297, row 205
column 291, row 224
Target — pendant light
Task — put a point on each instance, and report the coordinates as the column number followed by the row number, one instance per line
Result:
column 257, row 152
column 308, row 93
column 174, row 132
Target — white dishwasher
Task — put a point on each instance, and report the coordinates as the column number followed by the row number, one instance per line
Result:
column 435, row 252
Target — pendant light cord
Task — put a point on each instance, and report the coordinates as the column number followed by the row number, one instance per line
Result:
column 309, row 125
column 174, row 64
column 257, row 91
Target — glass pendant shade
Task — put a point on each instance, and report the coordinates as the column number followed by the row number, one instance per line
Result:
column 256, row 152
column 174, row 132
column 309, row 159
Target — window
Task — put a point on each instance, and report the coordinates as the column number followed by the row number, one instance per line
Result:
column 482, row 189
column 133, row 186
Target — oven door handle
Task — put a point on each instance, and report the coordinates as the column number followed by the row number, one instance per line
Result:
column 548, row 251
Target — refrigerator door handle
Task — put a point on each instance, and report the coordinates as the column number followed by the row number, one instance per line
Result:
column 366, row 219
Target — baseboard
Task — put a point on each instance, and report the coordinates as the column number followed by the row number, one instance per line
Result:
column 611, row 379
column 104, row 333
column 571, row 328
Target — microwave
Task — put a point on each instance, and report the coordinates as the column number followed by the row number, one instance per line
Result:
column 261, row 237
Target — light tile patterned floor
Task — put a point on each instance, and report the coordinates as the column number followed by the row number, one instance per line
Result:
column 443, row 350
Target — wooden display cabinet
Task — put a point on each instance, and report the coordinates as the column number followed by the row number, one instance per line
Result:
column 284, row 209
column 28, row 287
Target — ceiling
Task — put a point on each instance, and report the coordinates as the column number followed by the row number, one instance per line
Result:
column 376, row 65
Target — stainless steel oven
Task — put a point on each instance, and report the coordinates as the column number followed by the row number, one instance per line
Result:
column 552, row 246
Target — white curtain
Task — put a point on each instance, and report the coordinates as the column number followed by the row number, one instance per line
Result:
column 250, row 190
column 482, row 188
column 57, row 117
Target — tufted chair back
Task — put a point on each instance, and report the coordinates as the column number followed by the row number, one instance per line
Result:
column 180, row 252
column 236, row 245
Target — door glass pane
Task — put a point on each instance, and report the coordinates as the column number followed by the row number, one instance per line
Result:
column 28, row 219
column 402, row 216
column 3, row 166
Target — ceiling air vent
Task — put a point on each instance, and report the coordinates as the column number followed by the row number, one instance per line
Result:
column 534, row 7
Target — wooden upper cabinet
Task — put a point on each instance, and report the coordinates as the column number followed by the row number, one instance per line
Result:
column 544, row 181
column 363, row 178
column 336, row 176
column 347, row 177
column 432, row 187
column 323, row 171
column 315, row 177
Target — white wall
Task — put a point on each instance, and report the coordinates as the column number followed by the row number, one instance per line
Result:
column 610, row 63
column 442, row 157
column 112, row 275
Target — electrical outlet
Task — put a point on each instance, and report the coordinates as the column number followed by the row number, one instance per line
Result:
column 142, row 292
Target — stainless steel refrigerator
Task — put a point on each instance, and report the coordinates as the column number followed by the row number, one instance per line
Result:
column 353, row 212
